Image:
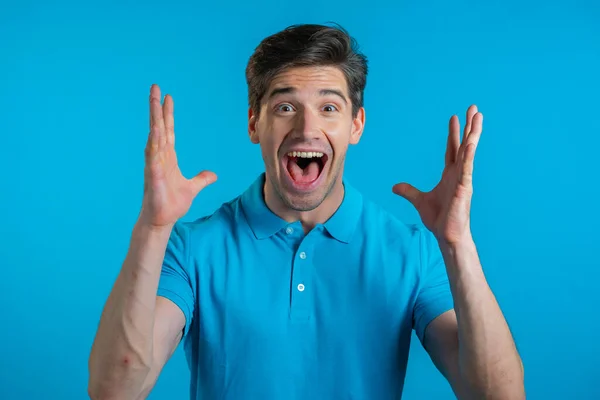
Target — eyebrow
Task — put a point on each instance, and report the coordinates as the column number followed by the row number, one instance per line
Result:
column 322, row 92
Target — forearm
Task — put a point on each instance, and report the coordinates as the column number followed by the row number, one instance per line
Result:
column 121, row 355
column 489, row 364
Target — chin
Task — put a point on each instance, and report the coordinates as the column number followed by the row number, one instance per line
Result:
column 304, row 202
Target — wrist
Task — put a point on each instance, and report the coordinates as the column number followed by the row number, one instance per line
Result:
column 464, row 245
column 462, row 265
column 147, row 246
column 146, row 229
column 456, row 242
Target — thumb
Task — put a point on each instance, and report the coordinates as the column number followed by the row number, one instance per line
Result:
column 407, row 191
column 202, row 180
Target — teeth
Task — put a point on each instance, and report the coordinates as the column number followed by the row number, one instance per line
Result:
column 305, row 154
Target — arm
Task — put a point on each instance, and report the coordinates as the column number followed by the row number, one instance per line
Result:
column 138, row 331
column 472, row 345
column 167, row 335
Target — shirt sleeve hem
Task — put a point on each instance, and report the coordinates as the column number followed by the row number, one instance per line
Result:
column 179, row 302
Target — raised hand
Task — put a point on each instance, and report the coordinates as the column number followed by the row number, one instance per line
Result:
column 445, row 210
column 168, row 195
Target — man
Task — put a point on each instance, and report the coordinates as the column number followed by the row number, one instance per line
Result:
column 300, row 288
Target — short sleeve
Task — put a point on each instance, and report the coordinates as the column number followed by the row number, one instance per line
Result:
column 176, row 283
column 434, row 297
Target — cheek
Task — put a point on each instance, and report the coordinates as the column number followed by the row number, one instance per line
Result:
column 279, row 127
column 338, row 135
column 269, row 143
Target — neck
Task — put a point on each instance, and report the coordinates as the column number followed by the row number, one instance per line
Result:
column 309, row 219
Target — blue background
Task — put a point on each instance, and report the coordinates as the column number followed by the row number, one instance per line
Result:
column 75, row 78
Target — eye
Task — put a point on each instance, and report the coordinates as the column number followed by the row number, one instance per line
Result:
column 284, row 108
column 329, row 108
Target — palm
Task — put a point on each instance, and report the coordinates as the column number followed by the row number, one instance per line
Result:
column 168, row 195
column 445, row 210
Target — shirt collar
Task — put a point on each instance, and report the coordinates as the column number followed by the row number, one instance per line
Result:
column 264, row 223
column 343, row 222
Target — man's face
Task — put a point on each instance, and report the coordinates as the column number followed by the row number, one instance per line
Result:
column 304, row 129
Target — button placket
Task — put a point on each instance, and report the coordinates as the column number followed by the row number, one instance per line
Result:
column 301, row 294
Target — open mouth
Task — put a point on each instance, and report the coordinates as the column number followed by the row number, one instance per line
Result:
column 305, row 167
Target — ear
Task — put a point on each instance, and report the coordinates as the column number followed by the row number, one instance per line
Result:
column 252, row 121
column 358, row 125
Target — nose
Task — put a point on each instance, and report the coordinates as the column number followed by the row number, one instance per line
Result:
column 306, row 125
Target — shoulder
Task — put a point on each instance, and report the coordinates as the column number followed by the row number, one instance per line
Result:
column 396, row 235
column 223, row 221
column 378, row 221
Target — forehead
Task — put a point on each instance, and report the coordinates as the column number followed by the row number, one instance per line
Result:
column 310, row 79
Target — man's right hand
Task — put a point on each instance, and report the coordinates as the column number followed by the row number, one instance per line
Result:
column 168, row 195
column 139, row 330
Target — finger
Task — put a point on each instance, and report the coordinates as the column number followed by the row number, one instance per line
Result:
column 453, row 140
column 169, row 120
column 152, row 146
column 154, row 94
column 409, row 192
column 470, row 113
column 154, row 133
column 466, row 170
column 202, row 180
column 156, row 115
column 476, row 129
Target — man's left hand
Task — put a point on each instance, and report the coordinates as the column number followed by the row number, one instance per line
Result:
column 445, row 210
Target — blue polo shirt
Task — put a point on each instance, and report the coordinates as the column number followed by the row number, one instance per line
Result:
column 273, row 313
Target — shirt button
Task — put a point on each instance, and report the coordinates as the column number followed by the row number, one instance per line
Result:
column 303, row 255
column 301, row 287
column 289, row 230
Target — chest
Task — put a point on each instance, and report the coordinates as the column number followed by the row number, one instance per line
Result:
column 311, row 287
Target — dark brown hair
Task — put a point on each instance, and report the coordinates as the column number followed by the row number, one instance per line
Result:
column 304, row 46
